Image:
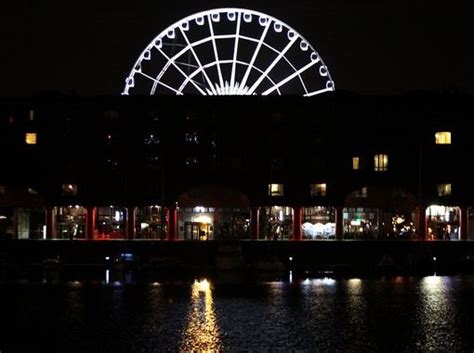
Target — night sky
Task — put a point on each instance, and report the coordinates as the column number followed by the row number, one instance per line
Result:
column 370, row 47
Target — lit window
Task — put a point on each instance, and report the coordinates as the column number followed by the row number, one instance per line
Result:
column 381, row 162
column 444, row 189
column 318, row 189
column 355, row 163
column 31, row 115
column 275, row 189
column 30, row 138
column 443, row 138
column 69, row 190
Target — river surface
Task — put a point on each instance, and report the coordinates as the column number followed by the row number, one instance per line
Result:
column 285, row 313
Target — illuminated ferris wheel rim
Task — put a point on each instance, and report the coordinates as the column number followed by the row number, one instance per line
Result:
column 233, row 14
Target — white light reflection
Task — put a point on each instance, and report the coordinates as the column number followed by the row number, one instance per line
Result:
column 107, row 276
column 326, row 281
column 291, row 277
column 202, row 331
column 432, row 283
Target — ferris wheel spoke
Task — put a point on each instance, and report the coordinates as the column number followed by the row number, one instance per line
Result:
column 289, row 78
column 216, row 54
column 236, row 48
column 186, row 64
column 159, row 83
column 182, row 72
column 211, row 86
column 271, row 66
column 317, row 92
column 255, row 53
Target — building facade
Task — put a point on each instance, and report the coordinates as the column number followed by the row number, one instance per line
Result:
column 332, row 167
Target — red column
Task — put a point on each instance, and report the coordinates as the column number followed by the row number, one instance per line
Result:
column 297, row 222
column 339, row 223
column 254, row 223
column 90, row 222
column 421, row 223
column 172, row 223
column 51, row 223
column 464, row 223
column 131, row 223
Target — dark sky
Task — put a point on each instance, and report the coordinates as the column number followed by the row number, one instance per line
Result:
column 370, row 46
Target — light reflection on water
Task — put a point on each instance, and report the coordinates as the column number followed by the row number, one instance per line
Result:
column 202, row 332
column 388, row 314
column 437, row 314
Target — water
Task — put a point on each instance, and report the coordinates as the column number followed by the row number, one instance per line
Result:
column 397, row 314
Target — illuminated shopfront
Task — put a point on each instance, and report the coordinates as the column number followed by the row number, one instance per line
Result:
column 361, row 223
column 150, row 222
column 443, row 222
column 70, row 222
column 196, row 223
column 110, row 222
column 319, row 223
column 276, row 223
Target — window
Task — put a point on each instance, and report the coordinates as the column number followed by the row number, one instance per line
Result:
column 191, row 137
column 381, row 162
column 112, row 163
column 111, row 138
column 355, row 163
column 69, row 190
column 362, row 192
column 192, row 161
column 153, row 162
column 31, row 115
column 443, row 138
column 444, row 189
column 30, row 138
column 318, row 189
column 151, row 139
column 275, row 189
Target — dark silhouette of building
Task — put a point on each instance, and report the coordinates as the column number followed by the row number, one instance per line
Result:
column 336, row 166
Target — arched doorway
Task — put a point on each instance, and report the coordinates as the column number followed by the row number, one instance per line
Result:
column 380, row 212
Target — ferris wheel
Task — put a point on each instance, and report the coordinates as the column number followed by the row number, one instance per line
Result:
column 229, row 51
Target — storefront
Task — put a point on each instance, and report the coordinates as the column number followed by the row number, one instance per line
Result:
column 213, row 212
column 150, row 222
column 443, row 222
column 70, row 222
column 399, row 224
column 110, row 222
column 276, row 223
column 196, row 223
column 361, row 223
column 319, row 223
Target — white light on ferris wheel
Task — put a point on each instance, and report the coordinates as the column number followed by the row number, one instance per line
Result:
column 229, row 51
